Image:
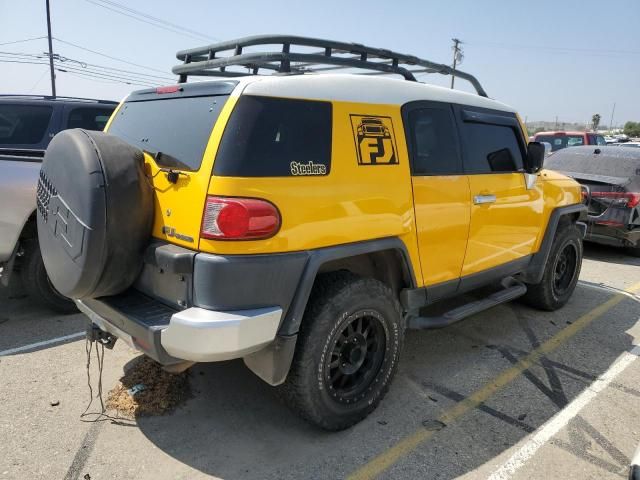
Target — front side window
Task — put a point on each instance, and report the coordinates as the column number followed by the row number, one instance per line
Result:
column 89, row 118
column 433, row 142
column 23, row 124
column 491, row 148
column 276, row 137
column 600, row 140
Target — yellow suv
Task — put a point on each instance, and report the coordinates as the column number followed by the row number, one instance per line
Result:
column 302, row 221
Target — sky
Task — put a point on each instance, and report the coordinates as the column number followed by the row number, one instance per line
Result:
column 564, row 58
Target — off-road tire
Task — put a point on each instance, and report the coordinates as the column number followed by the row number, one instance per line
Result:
column 37, row 283
column 340, row 300
column 546, row 295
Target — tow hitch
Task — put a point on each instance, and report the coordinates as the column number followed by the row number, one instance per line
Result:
column 95, row 334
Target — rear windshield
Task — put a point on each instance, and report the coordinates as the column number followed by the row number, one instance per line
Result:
column 23, row 124
column 611, row 162
column 276, row 137
column 559, row 142
column 174, row 130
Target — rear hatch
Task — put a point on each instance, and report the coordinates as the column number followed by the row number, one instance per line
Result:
column 178, row 128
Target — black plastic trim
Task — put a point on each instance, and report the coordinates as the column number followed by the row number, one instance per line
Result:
column 535, row 271
column 291, row 322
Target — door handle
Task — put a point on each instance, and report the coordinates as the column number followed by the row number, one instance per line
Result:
column 481, row 199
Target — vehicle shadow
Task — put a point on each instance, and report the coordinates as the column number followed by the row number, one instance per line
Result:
column 610, row 254
column 235, row 428
column 24, row 322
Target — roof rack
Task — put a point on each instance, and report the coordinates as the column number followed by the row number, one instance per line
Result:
column 205, row 61
column 57, row 97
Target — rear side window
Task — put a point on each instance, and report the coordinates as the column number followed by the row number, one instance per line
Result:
column 558, row 142
column 174, row 130
column 433, row 142
column 23, row 124
column 89, row 118
column 276, row 137
column 491, row 148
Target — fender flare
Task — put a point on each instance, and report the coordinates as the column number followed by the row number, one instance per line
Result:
column 272, row 363
column 535, row 270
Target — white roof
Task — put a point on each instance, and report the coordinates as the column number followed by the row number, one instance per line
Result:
column 359, row 89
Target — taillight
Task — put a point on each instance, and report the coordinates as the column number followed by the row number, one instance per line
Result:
column 229, row 218
column 623, row 199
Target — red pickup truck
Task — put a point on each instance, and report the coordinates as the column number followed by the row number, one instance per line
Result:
column 562, row 139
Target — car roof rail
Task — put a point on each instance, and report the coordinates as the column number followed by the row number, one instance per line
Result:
column 206, row 61
column 57, row 97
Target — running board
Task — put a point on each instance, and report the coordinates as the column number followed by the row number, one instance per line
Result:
column 512, row 289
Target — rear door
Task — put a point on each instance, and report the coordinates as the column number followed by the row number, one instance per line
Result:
column 440, row 190
column 178, row 129
column 506, row 213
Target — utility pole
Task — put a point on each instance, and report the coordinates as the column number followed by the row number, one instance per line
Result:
column 457, row 57
column 53, row 74
column 612, row 112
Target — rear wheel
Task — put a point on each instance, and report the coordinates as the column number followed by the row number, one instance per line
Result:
column 37, row 284
column 348, row 350
column 560, row 274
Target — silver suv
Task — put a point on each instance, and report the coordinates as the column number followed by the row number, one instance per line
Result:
column 27, row 125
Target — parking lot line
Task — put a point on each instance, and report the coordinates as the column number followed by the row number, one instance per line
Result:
column 564, row 416
column 386, row 459
column 44, row 343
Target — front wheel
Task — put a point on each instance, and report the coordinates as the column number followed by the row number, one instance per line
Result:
column 348, row 350
column 560, row 273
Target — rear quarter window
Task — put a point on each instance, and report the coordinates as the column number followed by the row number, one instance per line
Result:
column 276, row 137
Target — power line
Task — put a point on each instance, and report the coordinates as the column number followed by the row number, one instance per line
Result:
column 148, row 19
column 158, row 20
column 556, row 49
column 24, row 40
column 106, row 56
column 129, row 74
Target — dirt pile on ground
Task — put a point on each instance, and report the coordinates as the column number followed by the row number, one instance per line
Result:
column 146, row 389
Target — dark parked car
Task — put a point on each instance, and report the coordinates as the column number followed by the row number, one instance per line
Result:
column 611, row 176
column 27, row 125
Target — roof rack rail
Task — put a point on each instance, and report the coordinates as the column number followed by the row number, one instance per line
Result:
column 57, row 97
column 204, row 61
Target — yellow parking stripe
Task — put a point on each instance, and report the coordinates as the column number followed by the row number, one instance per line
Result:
column 386, row 459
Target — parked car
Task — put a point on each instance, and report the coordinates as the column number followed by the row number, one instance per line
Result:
column 301, row 222
column 562, row 139
column 27, row 125
column 611, row 176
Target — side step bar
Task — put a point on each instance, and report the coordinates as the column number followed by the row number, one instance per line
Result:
column 512, row 289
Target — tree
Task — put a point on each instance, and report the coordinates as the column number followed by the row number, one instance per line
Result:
column 595, row 121
column 632, row 129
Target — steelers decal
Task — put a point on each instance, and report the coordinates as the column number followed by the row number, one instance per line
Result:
column 375, row 140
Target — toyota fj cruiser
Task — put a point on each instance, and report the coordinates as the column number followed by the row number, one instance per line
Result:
column 303, row 221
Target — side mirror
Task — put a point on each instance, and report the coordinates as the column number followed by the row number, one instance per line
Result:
column 535, row 157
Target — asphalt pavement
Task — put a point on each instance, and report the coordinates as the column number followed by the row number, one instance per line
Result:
column 509, row 393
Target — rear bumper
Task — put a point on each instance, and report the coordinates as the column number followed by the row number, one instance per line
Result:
column 194, row 334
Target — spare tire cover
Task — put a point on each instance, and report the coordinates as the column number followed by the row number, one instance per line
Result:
column 95, row 213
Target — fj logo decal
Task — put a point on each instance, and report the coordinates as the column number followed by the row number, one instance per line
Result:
column 375, row 140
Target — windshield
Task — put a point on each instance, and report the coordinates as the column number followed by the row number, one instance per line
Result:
column 559, row 142
column 174, row 130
